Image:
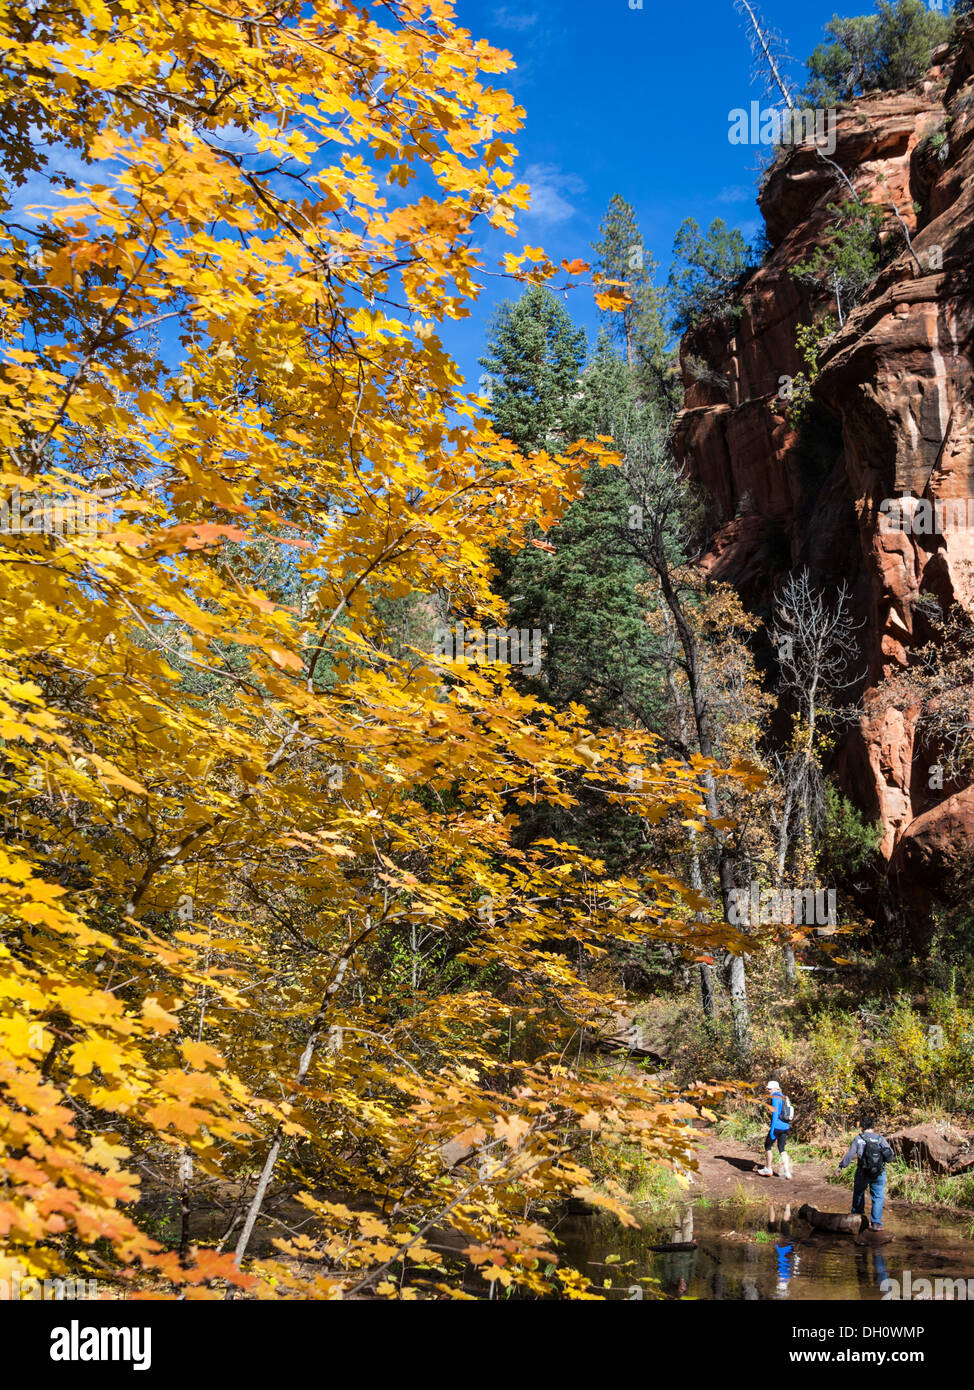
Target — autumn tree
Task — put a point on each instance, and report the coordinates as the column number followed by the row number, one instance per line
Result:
column 234, row 807
column 816, row 639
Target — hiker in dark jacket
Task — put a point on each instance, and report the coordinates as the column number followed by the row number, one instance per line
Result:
column 871, row 1153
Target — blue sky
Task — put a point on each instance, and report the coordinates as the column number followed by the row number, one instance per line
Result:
column 633, row 102
column 617, row 100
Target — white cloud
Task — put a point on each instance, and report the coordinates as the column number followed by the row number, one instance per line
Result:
column 549, row 187
column 737, row 193
column 505, row 18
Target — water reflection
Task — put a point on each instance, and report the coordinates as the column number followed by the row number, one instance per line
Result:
column 731, row 1253
column 678, row 1265
column 786, row 1254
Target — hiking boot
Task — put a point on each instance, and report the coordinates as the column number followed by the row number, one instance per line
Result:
column 875, row 1225
column 765, row 1172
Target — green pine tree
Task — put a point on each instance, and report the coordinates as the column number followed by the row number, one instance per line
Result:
column 877, row 52
column 621, row 255
column 706, row 271
column 533, row 360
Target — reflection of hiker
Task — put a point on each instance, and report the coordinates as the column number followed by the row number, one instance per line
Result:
column 785, row 1254
column 676, row 1274
column 787, row 1261
column 871, row 1153
column 777, row 1133
column 683, row 1227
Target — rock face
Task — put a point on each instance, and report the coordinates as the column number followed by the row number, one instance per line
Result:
column 896, row 415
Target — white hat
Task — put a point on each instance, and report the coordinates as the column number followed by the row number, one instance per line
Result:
column 773, row 1086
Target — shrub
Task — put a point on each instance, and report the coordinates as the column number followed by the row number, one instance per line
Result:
column 707, row 270
column 848, row 841
column 846, row 264
column 836, row 1080
column 875, row 52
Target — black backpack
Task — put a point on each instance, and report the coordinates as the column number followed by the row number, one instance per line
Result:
column 872, row 1160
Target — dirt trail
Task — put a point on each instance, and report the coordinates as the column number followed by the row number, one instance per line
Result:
column 728, row 1166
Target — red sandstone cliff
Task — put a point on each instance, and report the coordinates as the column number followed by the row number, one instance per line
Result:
column 896, row 381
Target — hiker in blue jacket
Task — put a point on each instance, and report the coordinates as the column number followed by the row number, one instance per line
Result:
column 777, row 1134
column 871, row 1153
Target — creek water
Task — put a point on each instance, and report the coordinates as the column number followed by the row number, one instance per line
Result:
column 753, row 1253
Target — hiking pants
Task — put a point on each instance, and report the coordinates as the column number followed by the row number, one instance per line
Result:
column 877, row 1195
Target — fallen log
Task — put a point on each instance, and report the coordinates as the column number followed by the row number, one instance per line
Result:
column 845, row 1223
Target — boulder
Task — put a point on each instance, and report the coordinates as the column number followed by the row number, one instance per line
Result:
column 940, row 1148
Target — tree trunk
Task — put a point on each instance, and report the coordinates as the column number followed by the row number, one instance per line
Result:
column 736, row 980
column 707, row 1001
column 791, row 968
column 734, row 969
column 707, row 992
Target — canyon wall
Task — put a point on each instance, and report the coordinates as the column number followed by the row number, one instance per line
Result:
column 895, row 415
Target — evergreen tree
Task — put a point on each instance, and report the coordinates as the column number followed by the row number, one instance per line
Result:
column 883, row 51
column 621, row 255
column 907, row 32
column 840, row 70
column 582, row 596
column 609, row 402
column 534, row 358
column 847, row 263
column 583, row 593
column 706, row 271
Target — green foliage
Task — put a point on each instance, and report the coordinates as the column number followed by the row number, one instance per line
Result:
column 809, row 340
column 927, row 1059
column 868, row 52
column 609, row 402
column 644, row 1183
column 584, row 598
column 834, row 1077
column 897, row 1061
column 938, row 142
column 707, row 270
column 579, row 586
column 621, row 255
column 841, row 69
column 920, row 1186
column 847, row 840
column 907, row 32
column 951, row 943
column 534, row 358
column 850, row 258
